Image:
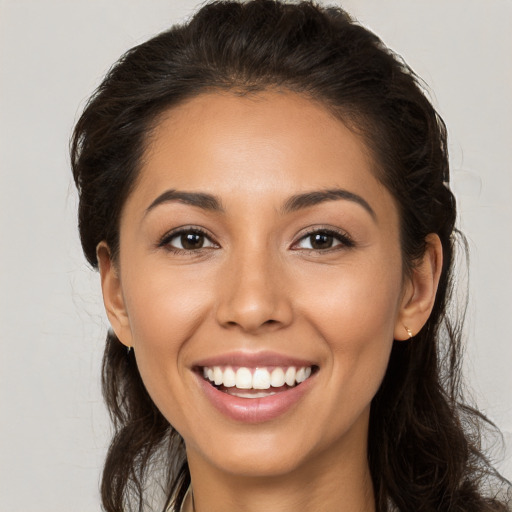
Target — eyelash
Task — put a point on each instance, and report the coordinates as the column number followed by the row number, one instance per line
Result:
column 165, row 241
column 345, row 241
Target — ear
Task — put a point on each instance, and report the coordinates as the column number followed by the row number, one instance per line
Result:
column 420, row 290
column 113, row 295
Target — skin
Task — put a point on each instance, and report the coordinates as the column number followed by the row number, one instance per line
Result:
column 256, row 285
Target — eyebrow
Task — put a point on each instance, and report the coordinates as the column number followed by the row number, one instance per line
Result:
column 199, row 199
column 308, row 199
column 294, row 203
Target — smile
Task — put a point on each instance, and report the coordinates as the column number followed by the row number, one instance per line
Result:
column 255, row 387
column 247, row 382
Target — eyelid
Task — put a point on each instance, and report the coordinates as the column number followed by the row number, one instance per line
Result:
column 173, row 233
column 340, row 235
column 344, row 239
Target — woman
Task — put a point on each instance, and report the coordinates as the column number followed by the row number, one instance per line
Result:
column 265, row 193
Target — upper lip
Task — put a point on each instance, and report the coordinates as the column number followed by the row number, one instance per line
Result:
column 253, row 360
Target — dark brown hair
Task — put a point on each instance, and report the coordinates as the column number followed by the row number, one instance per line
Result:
column 424, row 450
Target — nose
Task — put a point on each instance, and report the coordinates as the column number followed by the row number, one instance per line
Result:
column 254, row 294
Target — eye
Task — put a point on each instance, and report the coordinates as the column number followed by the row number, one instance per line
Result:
column 187, row 240
column 323, row 240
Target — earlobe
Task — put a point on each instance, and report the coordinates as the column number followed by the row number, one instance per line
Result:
column 420, row 292
column 113, row 295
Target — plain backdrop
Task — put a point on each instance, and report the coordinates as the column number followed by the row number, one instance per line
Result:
column 53, row 426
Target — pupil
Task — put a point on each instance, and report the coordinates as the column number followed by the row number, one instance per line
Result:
column 192, row 241
column 321, row 241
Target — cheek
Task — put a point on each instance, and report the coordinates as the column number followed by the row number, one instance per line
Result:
column 164, row 306
column 355, row 312
column 357, row 302
column 164, row 311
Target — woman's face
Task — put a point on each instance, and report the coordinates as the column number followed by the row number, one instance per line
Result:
column 256, row 242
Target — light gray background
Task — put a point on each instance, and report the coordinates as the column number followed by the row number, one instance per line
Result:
column 53, row 427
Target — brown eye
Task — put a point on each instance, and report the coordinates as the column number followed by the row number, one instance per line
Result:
column 324, row 240
column 320, row 241
column 187, row 240
column 191, row 241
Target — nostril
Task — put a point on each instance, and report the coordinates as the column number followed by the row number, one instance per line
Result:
column 266, row 323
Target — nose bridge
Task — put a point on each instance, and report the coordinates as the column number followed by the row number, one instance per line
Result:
column 254, row 294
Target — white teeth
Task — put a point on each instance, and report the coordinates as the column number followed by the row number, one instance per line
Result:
column 277, row 378
column 217, row 375
column 261, row 379
column 245, row 394
column 256, row 378
column 289, row 376
column 229, row 378
column 243, row 378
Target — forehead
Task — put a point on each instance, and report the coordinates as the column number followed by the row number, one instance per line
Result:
column 270, row 144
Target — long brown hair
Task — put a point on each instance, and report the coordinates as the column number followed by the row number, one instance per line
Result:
column 424, row 444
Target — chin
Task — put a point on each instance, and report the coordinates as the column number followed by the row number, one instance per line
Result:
column 255, row 462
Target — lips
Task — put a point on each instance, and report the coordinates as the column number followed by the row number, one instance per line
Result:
column 254, row 387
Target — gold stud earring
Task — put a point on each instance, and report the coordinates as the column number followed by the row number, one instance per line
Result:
column 409, row 332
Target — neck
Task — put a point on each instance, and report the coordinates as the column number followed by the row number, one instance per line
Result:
column 338, row 480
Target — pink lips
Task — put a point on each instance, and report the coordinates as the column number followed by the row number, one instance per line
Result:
column 253, row 410
column 253, row 360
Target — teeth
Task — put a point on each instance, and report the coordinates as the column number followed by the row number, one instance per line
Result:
column 243, row 378
column 229, row 378
column 217, row 376
column 277, row 378
column 245, row 394
column 256, row 378
column 289, row 376
column 261, row 379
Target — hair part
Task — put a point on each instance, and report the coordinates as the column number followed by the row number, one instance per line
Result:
column 424, row 450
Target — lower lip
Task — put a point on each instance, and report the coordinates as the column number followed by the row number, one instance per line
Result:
column 254, row 410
